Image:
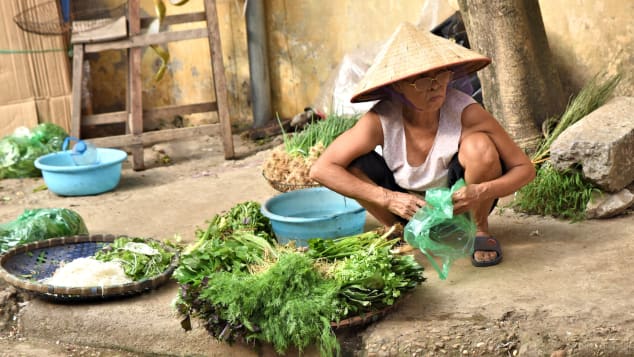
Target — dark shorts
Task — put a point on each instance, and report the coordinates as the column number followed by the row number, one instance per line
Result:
column 375, row 167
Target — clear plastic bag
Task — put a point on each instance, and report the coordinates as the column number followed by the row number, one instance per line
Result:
column 334, row 97
column 438, row 233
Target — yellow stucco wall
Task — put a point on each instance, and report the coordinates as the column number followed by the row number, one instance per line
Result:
column 590, row 36
column 188, row 79
column 308, row 39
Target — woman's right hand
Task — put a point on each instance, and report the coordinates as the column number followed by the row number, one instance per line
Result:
column 402, row 204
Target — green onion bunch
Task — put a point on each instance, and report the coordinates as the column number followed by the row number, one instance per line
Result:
column 322, row 132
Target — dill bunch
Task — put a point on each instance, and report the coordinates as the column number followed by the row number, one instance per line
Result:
column 286, row 305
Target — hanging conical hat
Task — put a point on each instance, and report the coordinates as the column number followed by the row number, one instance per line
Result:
column 410, row 52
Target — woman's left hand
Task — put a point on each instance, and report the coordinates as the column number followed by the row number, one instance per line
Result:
column 466, row 198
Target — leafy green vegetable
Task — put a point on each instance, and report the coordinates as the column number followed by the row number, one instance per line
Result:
column 232, row 241
column 140, row 258
column 332, row 249
column 369, row 275
column 235, row 242
column 564, row 194
column 243, row 287
column 235, row 253
column 39, row 224
column 18, row 152
column 286, row 305
column 245, row 216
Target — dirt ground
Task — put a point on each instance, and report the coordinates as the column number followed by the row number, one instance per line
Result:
column 562, row 289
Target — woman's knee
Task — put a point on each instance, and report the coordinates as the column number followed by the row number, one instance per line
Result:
column 478, row 148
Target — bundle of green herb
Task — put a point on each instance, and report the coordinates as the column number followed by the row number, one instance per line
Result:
column 236, row 241
column 236, row 255
column 244, row 288
column 563, row 194
column 236, row 252
column 245, row 216
column 288, row 304
column 140, row 258
column 592, row 96
column 322, row 132
column 290, row 163
column 369, row 276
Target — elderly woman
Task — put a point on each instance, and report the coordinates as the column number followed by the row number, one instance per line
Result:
column 428, row 136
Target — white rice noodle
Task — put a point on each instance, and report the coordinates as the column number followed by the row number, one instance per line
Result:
column 87, row 272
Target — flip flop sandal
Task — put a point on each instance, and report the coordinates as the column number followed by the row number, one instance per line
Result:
column 488, row 244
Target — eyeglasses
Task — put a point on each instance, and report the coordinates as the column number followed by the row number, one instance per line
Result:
column 423, row 84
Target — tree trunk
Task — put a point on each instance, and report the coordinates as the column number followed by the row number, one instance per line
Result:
column 521, row 87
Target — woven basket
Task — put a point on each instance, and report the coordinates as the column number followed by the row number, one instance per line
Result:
column 366, row 318
column 285, row 187
column 25, row 265
column 46, row 19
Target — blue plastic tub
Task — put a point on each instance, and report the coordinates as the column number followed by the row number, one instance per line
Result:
column 313, row 213
column 65, row 178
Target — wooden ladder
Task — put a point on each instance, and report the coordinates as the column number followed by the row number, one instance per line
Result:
column 133, row 41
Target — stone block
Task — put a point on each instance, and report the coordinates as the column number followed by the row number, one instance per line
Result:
column 602, row 144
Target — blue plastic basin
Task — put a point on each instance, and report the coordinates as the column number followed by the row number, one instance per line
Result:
column 65, row 178
column 313, row 213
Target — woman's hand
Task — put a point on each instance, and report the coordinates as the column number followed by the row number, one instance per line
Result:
column 402, row 204
column 466, row 198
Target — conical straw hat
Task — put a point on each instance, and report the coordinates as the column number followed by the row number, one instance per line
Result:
column 410, row 52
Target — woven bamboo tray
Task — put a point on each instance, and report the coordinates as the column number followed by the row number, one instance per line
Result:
column 26, row 265
column 286, row 187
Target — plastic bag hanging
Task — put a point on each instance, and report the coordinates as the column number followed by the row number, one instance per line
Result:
column 438, row 233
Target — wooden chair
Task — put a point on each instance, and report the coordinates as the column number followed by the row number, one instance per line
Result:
column 116, row 36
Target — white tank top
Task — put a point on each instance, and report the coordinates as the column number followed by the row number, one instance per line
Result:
column 433, row 172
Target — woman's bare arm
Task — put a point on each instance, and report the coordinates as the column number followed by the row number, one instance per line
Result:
column 331, row 168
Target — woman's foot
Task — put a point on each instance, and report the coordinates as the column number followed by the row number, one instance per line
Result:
column 486, row 251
